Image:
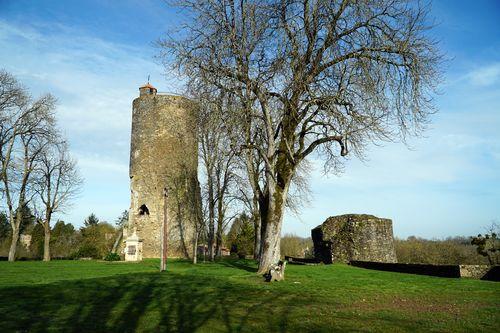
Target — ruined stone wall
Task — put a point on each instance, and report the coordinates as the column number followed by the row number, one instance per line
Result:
column 354, row 237
column 164, row 155
column 474, row 271
column 483, row 272
column 451, row 271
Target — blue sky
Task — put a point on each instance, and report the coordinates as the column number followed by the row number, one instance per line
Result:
column 93, row 55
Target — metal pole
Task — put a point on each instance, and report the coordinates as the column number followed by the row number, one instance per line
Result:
column 164, row 229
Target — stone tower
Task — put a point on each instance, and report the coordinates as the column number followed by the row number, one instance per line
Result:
column 163, row 155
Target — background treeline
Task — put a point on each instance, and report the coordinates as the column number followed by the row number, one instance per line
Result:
column 97, row 239
column 241, row 240
column 93, row 240
column 39, row 179
column 448, row 251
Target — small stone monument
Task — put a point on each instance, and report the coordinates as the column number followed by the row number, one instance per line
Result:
column 133, row 247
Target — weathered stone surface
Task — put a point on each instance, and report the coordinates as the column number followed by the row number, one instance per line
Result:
column 474, row 271
column 164, row 155
column 354, row 237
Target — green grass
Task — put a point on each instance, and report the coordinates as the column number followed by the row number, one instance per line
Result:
column 228, row 296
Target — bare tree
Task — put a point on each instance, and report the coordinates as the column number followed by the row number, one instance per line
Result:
column 13, row 97
column 489, row 245
column 252, row 163
column 58, row 182
column 220, row 168
column 26, row 128
column 199, row 226
column 323, row 77
column 208, row 137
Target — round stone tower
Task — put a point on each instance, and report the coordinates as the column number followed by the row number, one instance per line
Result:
column 164, row 155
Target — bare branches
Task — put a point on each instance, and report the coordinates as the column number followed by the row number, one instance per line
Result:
column 58, row 179
column 28, row 138
column 310, row 76
column 57, row 183
column 219, row 165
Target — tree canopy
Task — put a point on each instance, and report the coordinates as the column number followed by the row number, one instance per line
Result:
column 308, row 76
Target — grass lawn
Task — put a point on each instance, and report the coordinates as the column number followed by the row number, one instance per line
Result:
column 228, row 296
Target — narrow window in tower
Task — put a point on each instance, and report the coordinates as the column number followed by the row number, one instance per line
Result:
column 143, row 210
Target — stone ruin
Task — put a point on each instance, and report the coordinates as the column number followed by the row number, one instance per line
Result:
column 354, row 237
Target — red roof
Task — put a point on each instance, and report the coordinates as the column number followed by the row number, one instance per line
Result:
column 147, row 85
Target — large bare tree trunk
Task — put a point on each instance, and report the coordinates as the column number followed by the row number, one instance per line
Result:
column 270, row 253
column 257, row 229
column 271, row 231
column 16, row 226
column 211, row 219
column 211, row 236
column 46, row 242
column 13, row 244
column 272, row 213
column 220, row 224
column 195, row 248
column 218, row 243
column 46, row 230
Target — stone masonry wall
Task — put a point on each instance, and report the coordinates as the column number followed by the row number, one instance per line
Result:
column 354, row 237
column 164, row 155
column 474, row 271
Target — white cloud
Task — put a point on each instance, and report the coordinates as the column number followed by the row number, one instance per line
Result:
column 95, row 81
column 485, row 76
column 8, row 31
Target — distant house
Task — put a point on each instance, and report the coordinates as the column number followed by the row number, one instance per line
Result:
column 25, row 241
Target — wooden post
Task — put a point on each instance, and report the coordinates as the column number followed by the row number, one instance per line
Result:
column 164, row 230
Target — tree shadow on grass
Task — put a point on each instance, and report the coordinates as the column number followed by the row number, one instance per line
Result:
column 239, row 264
column 185, row 301
column 169, row 302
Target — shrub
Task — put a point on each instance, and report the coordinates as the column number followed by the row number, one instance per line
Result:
column 86, row 251
column 111, row 256
column 64, row 238
column 101, row 236
column 241, row 236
